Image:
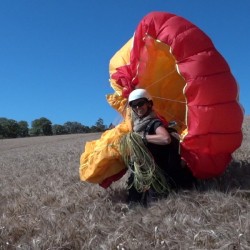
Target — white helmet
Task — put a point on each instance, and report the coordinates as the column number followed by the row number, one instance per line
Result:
column 138, row 94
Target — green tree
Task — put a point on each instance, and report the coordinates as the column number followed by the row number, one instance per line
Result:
column 42, row 126
column 3, row 127
column 1, row 131
column 100, row 127
column 36, row 128
column 46, row 127
column 23, row 130
column 94, row 129
column 86, row 129
column 111, row 125
column 9, row 128
column 58, row 129
column 75, row 128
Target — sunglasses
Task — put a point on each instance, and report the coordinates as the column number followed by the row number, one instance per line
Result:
column 138, row 104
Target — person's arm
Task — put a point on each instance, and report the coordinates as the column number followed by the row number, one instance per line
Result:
column 161, row 137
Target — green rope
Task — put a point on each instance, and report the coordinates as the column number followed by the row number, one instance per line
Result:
column 141, row 163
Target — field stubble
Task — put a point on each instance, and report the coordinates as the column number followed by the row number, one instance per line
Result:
column 44, row 205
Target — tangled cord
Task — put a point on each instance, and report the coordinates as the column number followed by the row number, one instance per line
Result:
column 141, row 163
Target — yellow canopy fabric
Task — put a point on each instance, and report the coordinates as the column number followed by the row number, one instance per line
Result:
column 101, row 158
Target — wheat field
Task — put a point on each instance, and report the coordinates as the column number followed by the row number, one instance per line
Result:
column 44, row 205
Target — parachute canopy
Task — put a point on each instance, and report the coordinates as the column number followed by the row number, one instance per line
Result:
column 190, row 82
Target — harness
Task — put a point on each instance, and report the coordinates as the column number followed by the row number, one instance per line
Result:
column 170, row 127
column 149, row 125
column 174, row 141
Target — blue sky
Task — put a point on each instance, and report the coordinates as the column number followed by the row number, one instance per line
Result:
column 54, row 54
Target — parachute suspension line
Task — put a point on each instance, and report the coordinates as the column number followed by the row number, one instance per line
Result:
column 163, row 77
column 170, row 100
column 139, row 160
column 172, row 114
column 177, row 120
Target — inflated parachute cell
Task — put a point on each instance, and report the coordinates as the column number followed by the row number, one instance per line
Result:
column 190, row 82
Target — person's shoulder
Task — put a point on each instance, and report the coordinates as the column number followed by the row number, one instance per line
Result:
column 155, row 123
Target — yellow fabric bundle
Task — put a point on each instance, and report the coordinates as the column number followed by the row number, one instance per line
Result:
column 101, row 158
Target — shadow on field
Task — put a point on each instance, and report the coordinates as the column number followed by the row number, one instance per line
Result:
column 235, row 178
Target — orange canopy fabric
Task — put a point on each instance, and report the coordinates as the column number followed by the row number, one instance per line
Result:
column 190, row 82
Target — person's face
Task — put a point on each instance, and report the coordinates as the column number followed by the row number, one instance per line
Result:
column 140, row 107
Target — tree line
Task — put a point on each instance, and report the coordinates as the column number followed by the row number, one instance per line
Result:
column 10, row 128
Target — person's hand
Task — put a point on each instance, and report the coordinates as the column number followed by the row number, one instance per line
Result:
column 141, row 134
